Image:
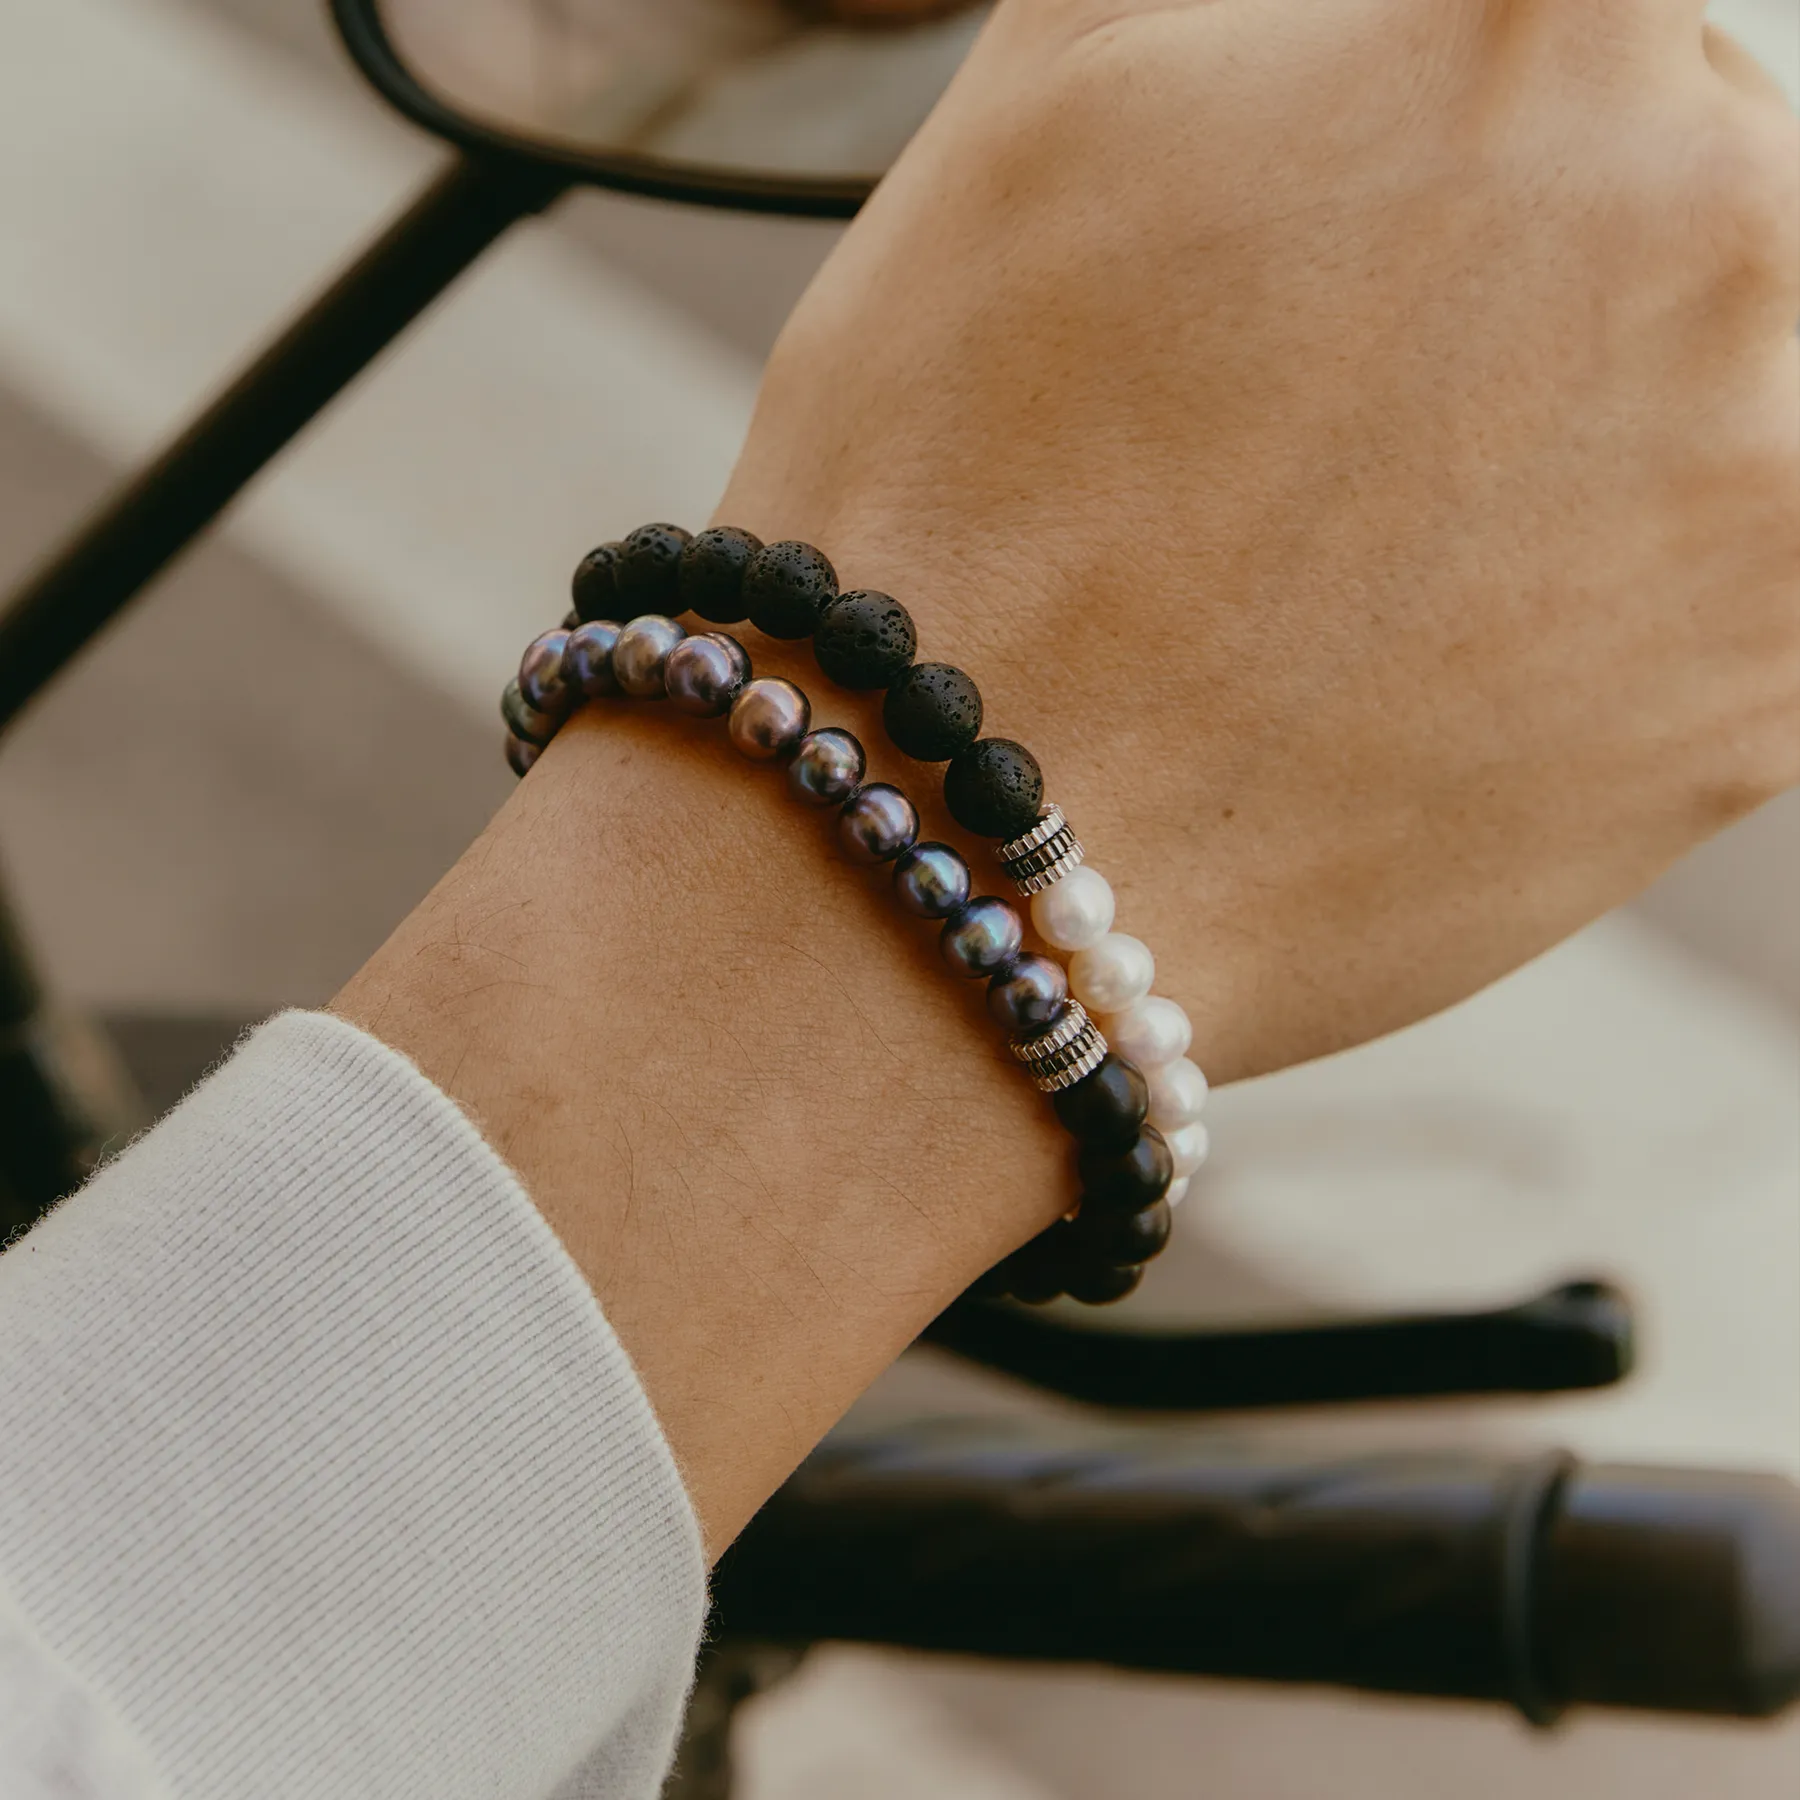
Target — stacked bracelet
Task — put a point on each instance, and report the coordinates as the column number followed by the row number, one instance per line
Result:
column 1138, row 1129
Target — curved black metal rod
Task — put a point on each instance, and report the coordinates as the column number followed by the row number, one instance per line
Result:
column 77, row 592
column 796, row 196
column 1578, row 1335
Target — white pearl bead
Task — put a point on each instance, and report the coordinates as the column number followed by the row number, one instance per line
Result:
column 1108, row 976
column 1076, row 912
column 1177, row 1094
column 1188, row 1145
column 1150, row 1033
column 1178, row 1190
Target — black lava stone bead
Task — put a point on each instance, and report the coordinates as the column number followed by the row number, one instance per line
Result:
column 865, row 640
column 711, row 579
column 1123, row 1240
column 994, row 788
column 1097, row 1285
column 1104, row 1110
column 1126, row 1180
column 595, row 586
column 786, row 587
column 932, row 712
column 649, row 570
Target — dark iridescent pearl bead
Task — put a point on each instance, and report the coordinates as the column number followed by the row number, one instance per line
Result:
column 705, row 673
column 525, row 721
column 595, row 587
column 877, row 824
column 1126, row 1180
column 520, row 755
column 769, row 718
column 932, row 712
column 1030, row 994
column 982, row 937
column 648, row 571
column 1105, row 1109
column 932, row 880
column 994, row 788
column 786, row 587
column 641, row 654
column 827, row 768
column 541, row 679
column 865, row 640
column 587, row 659
column 712, row 573
column 1121, row 1240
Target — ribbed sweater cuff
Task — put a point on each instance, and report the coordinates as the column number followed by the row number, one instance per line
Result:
column 318, row 1459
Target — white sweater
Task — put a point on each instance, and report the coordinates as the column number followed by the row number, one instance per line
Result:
column 321, row 1473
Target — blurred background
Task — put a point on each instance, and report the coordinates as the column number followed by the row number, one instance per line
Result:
column 249, row 781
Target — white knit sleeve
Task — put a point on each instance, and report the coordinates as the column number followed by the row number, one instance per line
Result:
column 321, row 1467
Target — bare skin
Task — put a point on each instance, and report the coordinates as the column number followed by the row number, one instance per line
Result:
column 1357, row 445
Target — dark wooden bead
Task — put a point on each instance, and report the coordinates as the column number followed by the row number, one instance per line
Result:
column 595, row 586
column 1126, row 1180
column 649, row 571
column 711, row 578
column 994, row 788
column 1096, row 1285
column 1105, row 1109
column 786, row 587
column 1123, row 1240
column 865, row 640
column 932, row 712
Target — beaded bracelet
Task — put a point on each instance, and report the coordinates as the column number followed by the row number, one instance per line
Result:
column 1131, row 1171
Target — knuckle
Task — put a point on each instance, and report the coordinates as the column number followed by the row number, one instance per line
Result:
column 1746, row 202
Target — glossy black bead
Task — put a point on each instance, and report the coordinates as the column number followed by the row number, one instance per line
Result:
column 1123, row 1240
column 595, row 586
column 1029, row 994
column 932, row 712
column 931, row 881
column 865, row 640
column 786, row 587
column 1036, row 1272
column 991, row 1286
column 520, row 755
column 1094, row 1284
column 1126, row 1180
column 711, row 579
column 649, row 570
column 1105, row 1109
column 541, row 678
column 994, row 788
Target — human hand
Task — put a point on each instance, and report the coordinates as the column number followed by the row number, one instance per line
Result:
column 1357, row 446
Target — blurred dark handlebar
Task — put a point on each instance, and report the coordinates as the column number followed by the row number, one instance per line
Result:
column 1530, row 1580
column 1578, row 1335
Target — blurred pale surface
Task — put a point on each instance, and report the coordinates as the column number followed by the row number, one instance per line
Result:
column 232, row 800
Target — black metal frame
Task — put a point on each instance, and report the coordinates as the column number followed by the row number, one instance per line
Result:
column 797, row 196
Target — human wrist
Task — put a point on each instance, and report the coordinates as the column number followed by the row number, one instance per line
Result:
column 775, row 1140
